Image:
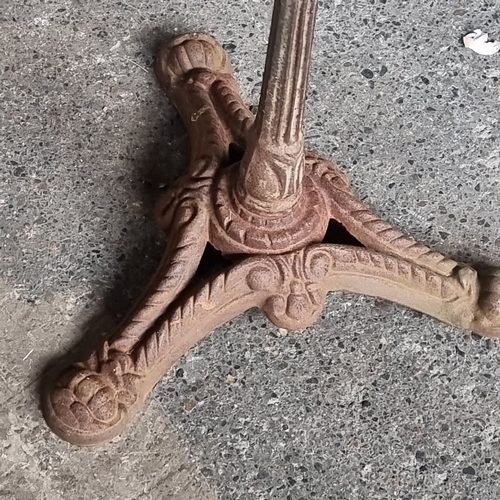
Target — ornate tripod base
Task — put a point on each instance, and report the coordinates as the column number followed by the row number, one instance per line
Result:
column 280, row 263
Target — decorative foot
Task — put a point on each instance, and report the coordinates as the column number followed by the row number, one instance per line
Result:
column 268, row 211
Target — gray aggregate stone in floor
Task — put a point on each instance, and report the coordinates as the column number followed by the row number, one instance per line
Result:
column 374, row 401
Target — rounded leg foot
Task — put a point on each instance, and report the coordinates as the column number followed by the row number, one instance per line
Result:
column 187, row 53
column 90, row 405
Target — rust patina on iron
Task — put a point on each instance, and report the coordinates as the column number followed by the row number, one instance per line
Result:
column 266, row 209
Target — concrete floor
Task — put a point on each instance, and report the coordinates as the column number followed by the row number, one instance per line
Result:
column 375, row 401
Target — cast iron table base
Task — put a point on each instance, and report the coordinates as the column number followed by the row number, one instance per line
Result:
column 254, row 194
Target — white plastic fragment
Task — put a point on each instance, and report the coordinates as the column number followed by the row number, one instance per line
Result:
column 478, row 42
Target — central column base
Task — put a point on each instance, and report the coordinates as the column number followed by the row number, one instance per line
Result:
column 234, row 229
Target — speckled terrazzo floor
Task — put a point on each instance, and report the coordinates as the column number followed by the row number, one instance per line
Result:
column 375, row 401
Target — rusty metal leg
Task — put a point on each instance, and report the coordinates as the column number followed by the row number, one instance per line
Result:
column 93, row 400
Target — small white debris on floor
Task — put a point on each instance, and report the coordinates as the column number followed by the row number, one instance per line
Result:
column 478, row 42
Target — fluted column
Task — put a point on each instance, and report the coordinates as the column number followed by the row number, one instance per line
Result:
column 272, row 168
